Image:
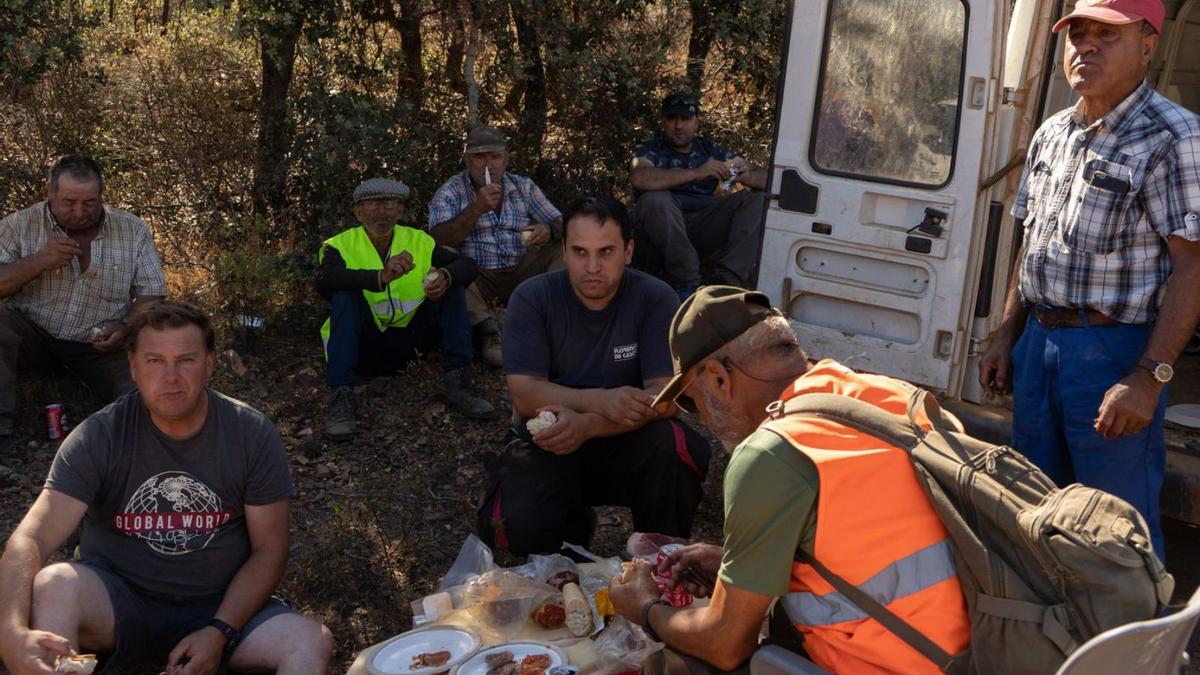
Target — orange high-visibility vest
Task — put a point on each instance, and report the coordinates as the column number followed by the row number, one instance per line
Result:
column 877, row 530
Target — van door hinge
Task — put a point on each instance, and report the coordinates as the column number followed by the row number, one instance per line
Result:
column 974, row 348
column 1008, row 95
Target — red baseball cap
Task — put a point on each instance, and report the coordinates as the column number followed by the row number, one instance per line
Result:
column 1117, row 12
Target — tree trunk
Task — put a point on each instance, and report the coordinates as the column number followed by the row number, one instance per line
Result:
column 165, row 18
column 700, row 41
column 472, row 30
column 532, row 128
column 278, row 47
column 410, row 83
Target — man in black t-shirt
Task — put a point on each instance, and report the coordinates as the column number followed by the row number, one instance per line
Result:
column 184, row 495
column 589, row 344
column 675, row 176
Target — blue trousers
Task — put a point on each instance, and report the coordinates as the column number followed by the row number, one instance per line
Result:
column 357, row 345
column 1060, row 377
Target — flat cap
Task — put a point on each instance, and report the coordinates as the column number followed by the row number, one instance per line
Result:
column 380, row 188
column 485, row 139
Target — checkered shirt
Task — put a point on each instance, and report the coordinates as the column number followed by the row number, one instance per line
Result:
column 65, row 303
column 495, row 241
column 1101, row 200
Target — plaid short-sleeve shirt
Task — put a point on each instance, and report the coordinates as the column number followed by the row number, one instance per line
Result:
column 495, row 241
column 1101, row 200
column 66, row 303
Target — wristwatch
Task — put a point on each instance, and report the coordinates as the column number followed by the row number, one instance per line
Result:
column 232, row 635
column 650, row 632
column 1163, row 372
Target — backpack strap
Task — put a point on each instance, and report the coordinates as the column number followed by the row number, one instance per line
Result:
column 860, row 415
column 899, row 627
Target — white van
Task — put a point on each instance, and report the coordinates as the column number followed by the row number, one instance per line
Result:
column 901, row 132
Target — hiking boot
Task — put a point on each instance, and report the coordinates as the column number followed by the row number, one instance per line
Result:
column 490, row 352
column 460, row 391
column 487, row 336
column 339, row 421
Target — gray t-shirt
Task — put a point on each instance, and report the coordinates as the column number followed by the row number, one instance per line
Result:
column 169, row 516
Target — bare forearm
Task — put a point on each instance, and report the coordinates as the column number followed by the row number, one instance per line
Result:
column 756, row 179
column 251, row 587
column 1177, row 316
column 531, row 394
column 453, row 231
column 21, row 562
column 15, row 275
column 648, row 178
column 698, row 632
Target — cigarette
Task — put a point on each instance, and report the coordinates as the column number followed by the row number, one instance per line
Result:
column 487, row 175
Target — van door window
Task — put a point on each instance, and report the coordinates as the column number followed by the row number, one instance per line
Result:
column 887, row 107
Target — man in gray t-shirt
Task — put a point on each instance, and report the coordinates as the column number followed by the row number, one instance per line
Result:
column 184, row 498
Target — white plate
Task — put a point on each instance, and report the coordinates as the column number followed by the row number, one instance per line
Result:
column 477, row 665
column 396, row 656
column 1185, row 415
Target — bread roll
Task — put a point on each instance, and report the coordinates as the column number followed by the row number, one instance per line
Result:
column 82, row 664
column 579, row 614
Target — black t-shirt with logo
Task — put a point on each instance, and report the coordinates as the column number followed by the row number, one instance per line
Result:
column 169, row 516
column 549, row 333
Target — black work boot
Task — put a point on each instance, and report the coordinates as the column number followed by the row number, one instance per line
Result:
column 339, row 420
column 460, row 391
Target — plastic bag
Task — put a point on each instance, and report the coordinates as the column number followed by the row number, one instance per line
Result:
column 555, row 570
column 623, row 646
column 474, row 559
column 654, row 549
column 502, row 598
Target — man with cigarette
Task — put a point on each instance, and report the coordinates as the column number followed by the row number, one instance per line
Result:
column 72, row 270
column 681, row 223
column 500, row 220
column 392, row 292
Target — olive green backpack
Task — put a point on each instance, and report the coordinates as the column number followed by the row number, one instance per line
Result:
column 1043, row 568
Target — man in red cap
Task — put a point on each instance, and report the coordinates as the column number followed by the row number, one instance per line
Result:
column 1104, row 298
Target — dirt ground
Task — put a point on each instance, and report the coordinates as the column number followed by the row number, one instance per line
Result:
column 377, row 521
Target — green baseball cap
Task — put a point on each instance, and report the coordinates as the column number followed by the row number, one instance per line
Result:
column 710, row 319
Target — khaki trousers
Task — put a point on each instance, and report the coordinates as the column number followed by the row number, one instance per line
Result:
column 493, row 287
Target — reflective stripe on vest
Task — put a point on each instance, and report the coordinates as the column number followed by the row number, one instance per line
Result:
column 912, row 574
column 396, row 305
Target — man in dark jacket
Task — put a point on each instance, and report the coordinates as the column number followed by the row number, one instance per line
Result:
column 392, row 291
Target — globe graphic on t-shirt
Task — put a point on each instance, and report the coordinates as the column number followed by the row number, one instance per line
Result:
column 180, row 493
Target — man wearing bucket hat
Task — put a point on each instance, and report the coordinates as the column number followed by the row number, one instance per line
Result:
column 793, row 481
column 680, row 221
column 1104, row 298
column 392, row 291
column 500, row 220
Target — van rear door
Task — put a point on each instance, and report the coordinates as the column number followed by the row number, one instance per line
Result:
column 871, row 245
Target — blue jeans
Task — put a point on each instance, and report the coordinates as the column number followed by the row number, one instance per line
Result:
column 357, row 345
column 1060, row 377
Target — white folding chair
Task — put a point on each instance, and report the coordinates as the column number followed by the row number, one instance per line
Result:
column 1155, row 647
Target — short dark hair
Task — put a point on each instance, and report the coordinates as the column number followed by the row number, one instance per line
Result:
column 603, row 208
column 162, row 314
column 79, row 167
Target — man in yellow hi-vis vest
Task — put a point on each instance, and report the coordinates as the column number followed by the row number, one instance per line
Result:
column 392, row 291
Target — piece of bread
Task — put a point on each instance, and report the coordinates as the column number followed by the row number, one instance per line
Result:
column 579, row 613
column 542, row 422
column 80, row 664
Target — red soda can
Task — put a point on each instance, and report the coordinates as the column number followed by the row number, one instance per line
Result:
column 56, row 421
